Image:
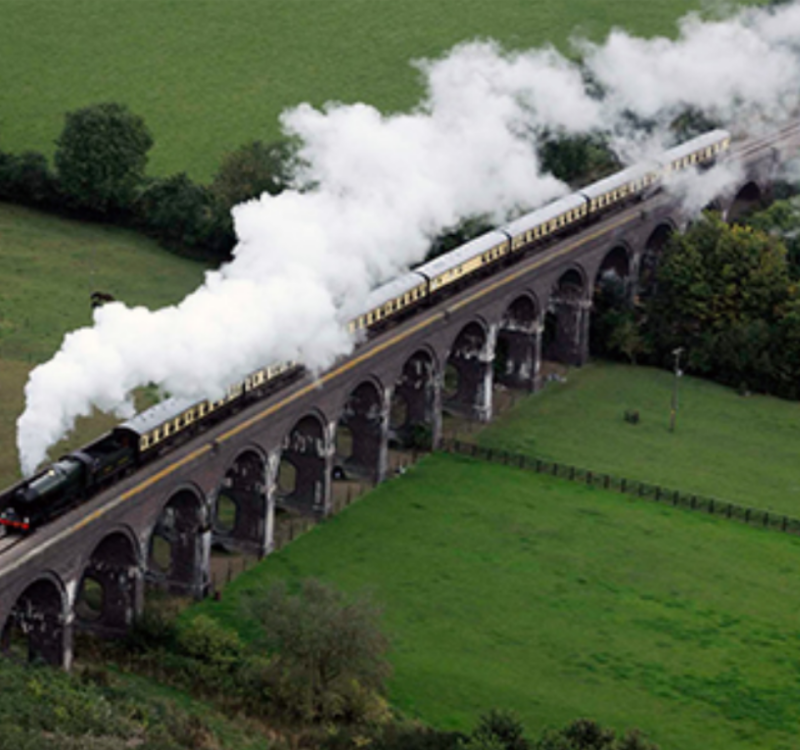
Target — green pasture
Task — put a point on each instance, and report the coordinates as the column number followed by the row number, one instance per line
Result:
column 49, row 266
column 210, row 75
column 502, row 588
column 743, row 449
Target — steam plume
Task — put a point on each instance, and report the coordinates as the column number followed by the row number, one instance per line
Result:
column 374, row 189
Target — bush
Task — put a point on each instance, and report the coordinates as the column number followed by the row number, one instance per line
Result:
column 328, row 653
column 204, row 639
column 185, row 216
column 27, row 179
column 503, row 726
column 251, row 170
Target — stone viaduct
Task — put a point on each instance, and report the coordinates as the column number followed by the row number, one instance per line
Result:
column 87, row 569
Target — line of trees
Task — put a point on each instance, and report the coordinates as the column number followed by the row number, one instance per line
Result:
column 99, row 174
column 727, row 294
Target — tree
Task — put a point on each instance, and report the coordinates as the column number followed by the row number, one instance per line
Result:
column 712, row 279
column 184, row 216
column 327, row 652
column 782, row 220
column 251, row 170
column 101, row 156
column 577, row 159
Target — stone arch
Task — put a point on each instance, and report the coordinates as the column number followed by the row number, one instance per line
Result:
column 566, row 319
column 303, row 482
column 38, row 623
column 749, row 198
column 518, row 347
column 361, row 433
column 415, row 409
column 110, row 589
column 651, row 256
column 178, row 548
column 239, row 514
column 467, row 381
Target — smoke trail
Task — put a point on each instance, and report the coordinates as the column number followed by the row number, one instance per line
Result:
column 374, row 189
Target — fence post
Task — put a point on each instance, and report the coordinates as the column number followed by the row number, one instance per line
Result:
column 588, row 477
column 730, row 509
column 606, row 480
column 572, row 473
column 555, row 469
column 658, row 492
column 711, row 506
column 766, row 518
column 783, row 524
column 623, row 485
column 747, row 515
column 538, row 466
column 676, row 497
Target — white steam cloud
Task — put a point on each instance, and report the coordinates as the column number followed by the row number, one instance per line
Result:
column 373, row 190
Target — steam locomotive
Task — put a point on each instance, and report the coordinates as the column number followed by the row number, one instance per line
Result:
column 81, row 474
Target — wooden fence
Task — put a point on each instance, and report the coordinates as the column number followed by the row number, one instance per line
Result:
column 654, row 492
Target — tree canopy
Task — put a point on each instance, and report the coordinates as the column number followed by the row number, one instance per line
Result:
column 101, row 156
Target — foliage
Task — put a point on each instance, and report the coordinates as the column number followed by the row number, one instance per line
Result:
column 585, row 734
column 328, row 653
column 577, row 159
column 691, row 123
column 615, row 321
column 251, row 170
column 156, row 627
column 782, row 220
column 101, row 156
column 185, row 216
column 45, row 709
column 204, row 639
column 721, row 292
column 27, row 179
column 452, row 237
column 504, row 727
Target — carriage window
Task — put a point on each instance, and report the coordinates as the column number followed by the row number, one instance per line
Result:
column 144, row 443
column 156, row 435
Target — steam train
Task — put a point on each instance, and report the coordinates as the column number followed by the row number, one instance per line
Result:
column 76, row 477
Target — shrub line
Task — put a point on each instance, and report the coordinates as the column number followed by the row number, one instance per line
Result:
column 657, row 493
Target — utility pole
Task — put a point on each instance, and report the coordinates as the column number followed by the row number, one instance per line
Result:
column 674, row 410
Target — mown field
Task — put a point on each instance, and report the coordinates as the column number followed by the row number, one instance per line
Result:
column 741, row 449
column 502, row 588
column 49, row 267
column 208, row 76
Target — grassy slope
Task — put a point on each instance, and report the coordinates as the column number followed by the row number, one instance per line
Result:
column 503, row 588
column 726, row 446
column 208, row 76
column 48, row 268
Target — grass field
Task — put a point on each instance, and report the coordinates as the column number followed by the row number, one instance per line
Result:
column 503, row 588
column 208, row 76
column 742, row 449
column 48, row 268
